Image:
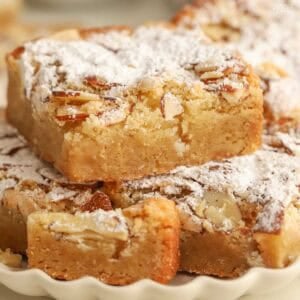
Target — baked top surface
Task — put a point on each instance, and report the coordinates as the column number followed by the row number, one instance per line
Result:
column 106, row 66
column 266, row 33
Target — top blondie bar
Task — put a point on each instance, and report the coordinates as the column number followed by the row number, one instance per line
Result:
column 267, row 34
column 119, row 103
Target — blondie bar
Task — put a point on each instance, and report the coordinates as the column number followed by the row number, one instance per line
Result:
column 267, row 33
column 117, row 247
column 116, row 103
column 27, row 185
column 236, row 214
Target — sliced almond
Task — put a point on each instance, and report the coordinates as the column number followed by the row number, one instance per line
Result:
column 73, row 118
column 211, row 75
column 74, row 97
column 200, row 69
column 69, row 113
column 99, row 84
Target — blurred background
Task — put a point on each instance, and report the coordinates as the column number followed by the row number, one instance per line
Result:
column 22, row 20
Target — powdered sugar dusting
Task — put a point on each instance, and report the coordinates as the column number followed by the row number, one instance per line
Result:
column 120, row 58
column 265, row 178
column 264, row 32
column 284, row 142
column 21, row 170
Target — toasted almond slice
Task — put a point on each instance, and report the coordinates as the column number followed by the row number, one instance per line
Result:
column 74, row 117
column 200, row 69
column 211, row 75
column 74, row 96
column 98, row 201
column 99, row 84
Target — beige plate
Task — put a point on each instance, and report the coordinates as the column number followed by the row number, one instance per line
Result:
column 256, row 282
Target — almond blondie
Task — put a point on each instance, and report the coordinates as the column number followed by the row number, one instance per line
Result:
column 118, row 103
column 118, row 247
column 239, row 213
column 267, row 33
column 27, row 185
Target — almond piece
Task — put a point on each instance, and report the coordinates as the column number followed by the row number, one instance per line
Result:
column 98, row 201
column 74, row 97
column 211, row 75
column 99, row 84
column 200, row 69
column 171, row 106
column 221, row 206
column 233, row 97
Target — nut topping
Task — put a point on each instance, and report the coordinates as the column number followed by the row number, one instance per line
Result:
column 219, row 208
column 74, row 97
column 211, row 75
column 98, row 84
column 200, row 69
column 98, row 201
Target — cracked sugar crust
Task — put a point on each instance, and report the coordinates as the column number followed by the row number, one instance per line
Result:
column 108, row 65
column 21, row 170
column 266, row 178
column 265, row 32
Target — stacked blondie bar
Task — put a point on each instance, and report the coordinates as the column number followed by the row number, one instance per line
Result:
column 145, row 151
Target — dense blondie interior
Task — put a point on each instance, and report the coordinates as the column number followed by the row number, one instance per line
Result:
column 267, row 34
column 134, row 98
column 117, row 247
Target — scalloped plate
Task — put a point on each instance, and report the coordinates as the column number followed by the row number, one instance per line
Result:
column 257, row 281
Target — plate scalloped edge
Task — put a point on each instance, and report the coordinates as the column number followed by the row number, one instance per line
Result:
column 256, row 281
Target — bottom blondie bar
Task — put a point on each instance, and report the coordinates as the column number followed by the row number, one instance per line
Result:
column 117, row 247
